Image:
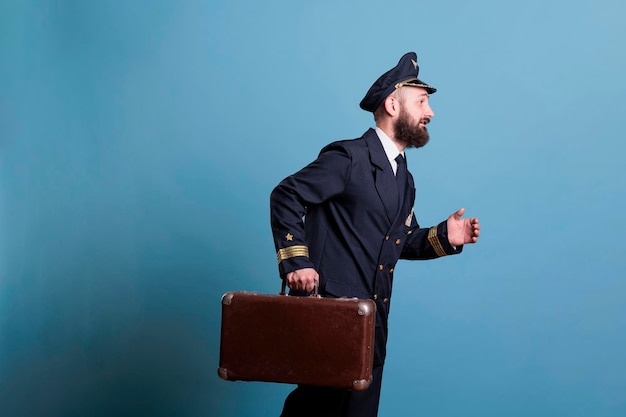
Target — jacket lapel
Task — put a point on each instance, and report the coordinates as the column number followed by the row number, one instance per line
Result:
column 407, row 203
column 384, row 179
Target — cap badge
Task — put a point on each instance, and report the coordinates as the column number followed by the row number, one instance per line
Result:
column 414, row 63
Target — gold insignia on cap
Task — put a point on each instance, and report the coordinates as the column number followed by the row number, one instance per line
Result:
column 289, row 237
column 414, row 63
column 410, row 81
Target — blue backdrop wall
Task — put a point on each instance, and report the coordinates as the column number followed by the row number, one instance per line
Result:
column 139, row 142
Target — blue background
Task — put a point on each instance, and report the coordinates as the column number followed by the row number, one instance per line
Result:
column 140, row 140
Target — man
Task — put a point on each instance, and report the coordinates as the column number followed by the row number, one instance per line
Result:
column 357, row 199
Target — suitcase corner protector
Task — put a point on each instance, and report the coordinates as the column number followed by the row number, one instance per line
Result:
column 227, row 298
column 361, row 384
column 366, row 307
column 223, row 373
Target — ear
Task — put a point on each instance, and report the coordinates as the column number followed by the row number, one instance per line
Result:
column 392, row 105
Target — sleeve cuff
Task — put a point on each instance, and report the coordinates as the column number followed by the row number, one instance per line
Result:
column 292, row 251
column 438, row 239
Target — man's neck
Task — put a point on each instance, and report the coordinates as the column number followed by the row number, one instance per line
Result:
column 388, row 130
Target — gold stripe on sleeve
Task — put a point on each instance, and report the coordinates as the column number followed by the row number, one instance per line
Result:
column 434, row 241
column 291, row 251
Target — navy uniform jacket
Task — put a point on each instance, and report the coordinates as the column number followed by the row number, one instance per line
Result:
column 353, row 231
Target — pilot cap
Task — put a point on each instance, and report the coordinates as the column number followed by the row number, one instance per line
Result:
column 403, row 74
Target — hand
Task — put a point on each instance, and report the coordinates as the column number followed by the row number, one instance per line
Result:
column 302, row 279
column 462, row 231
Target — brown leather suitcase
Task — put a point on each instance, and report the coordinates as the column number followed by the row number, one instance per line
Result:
column 298, row 340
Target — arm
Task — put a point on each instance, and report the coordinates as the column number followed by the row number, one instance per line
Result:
column 321, row 180
column 447, row 238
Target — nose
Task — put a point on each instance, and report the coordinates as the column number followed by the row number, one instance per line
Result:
column 429, row 112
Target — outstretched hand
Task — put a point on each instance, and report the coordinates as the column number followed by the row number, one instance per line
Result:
column 462, row 231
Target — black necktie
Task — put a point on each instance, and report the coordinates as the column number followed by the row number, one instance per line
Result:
column 401, row 174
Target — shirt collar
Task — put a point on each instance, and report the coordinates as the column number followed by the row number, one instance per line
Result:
column 391, row 150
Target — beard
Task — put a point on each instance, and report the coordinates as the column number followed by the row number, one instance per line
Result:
column 410, row 134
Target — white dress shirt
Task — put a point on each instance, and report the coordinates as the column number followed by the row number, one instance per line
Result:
column 391, row 150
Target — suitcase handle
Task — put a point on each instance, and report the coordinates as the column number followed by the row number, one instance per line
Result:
column 315, row 292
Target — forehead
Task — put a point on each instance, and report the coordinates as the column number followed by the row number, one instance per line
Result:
column 415, row 92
